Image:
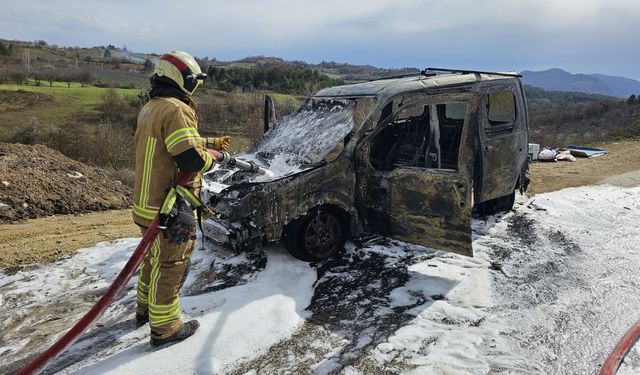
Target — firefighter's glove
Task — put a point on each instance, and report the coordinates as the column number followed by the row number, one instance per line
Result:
column 225, row 142
column 219, row 143
column 181, row 223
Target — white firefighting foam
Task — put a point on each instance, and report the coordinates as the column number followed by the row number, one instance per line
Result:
column 552, row 287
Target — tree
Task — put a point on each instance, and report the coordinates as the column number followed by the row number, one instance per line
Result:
column 37, row 77
column 4, row 76
column 148, row 66
column 84, row 77
column 18, row 75
column 50, row 76
column 632, row 100
column 4, row 50
column 68, row 76
column 107, row 54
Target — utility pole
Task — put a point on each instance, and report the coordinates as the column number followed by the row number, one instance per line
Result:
column 26, row 60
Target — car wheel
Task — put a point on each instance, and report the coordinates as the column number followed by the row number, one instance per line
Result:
column 505, row 204
column 494, row 206
column 316, row 236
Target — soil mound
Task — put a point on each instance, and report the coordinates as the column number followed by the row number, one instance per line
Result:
column 37, row 181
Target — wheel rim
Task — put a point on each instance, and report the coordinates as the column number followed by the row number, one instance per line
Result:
column 323, row 235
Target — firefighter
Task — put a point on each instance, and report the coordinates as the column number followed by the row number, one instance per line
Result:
column 167, row 142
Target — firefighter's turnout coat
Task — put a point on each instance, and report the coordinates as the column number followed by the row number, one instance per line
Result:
column 166, row 127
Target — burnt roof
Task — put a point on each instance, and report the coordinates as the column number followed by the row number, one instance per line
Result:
column 392, row 86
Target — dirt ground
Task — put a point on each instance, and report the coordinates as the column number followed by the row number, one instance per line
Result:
column 51, row 238
column 36, row 181
column 618, row 167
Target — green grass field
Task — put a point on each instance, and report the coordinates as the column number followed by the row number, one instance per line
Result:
column 285, row 99
column 58, row 105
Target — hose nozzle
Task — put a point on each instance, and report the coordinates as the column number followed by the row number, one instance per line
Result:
column 223, row 158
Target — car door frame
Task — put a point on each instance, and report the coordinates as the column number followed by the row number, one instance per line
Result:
column 502, row 154
column 434, row 212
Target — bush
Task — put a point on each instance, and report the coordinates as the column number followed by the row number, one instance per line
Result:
column 33, row 132
column 222, row 113
column 125, row 175
column 121, row 110
column 113, row 146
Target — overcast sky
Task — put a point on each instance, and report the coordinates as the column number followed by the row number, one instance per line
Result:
column 581, row 36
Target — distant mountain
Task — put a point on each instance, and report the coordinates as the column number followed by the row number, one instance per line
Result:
column 560, row 80
column 622, row 87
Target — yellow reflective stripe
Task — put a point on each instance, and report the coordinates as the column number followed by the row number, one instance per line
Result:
column 143, row 300
column 207, row 163
column 144, row 216
column 144, row 213
column 146, row 210
column 164, row 308
column 160, row 321
column 180, row 139
column 159, row 314
column 142, row 292
column 188, row 196
column 169, row 201
column 156, row 316
column 155, row 270
column 146, row 174
column 178, row 132
column 180, row 135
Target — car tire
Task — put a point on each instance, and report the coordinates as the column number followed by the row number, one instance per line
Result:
column 505, row 204
column 316, row 236
column 497, row 205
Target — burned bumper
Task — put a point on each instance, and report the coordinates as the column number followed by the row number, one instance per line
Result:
column 235, row 236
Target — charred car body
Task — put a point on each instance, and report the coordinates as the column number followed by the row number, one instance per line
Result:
column 407, row 157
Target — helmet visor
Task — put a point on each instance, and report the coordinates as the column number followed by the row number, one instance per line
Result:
column 191, row 81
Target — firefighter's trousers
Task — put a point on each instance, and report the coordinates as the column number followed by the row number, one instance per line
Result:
column 161, row 276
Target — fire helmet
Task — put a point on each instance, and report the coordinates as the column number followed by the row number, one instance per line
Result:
column 182, row 69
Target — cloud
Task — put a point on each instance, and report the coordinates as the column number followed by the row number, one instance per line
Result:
column 582, row 35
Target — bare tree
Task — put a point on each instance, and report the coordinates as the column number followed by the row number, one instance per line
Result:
column 4, row 76
column 113, row 146
column 148, row 66
column 84, row 77
column 50, row 75
column 37, row 77
column 19, row 75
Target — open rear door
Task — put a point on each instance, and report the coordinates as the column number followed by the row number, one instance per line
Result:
column 414, row 182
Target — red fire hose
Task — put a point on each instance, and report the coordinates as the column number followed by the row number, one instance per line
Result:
column 614, row 360
column 114, row 290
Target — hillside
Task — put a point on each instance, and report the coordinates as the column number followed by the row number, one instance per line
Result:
column 63, row 93
column 560, row 80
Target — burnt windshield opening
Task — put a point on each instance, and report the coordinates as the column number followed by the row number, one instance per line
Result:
column 310, row 133
column 314, row 134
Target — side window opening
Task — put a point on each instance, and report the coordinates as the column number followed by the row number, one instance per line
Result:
column 451, row 120
column 501, row 112
column 420, row 136
column 402, row 143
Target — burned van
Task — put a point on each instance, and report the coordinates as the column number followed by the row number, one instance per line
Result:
column 409, row 158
